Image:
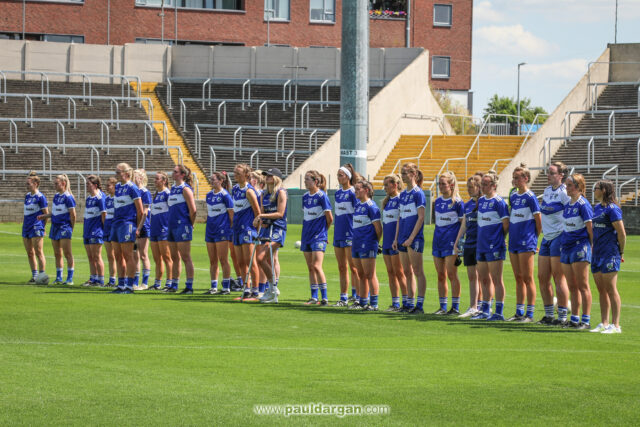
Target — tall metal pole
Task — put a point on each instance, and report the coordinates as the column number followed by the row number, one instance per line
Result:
column 269, row 13
column 407, row 26
column 354, row 85
column 162, row 22
column 615, row 35
column 175, row 23
column 518, row 99
column 108, row 21
column 24, row 16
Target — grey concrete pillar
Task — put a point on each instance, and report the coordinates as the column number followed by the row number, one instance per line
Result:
column 354, row 88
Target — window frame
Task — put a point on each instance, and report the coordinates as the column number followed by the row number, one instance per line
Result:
column 440, row 76
column 275, row 18
column 170, row 4
column 325, row 14
column 443, row 24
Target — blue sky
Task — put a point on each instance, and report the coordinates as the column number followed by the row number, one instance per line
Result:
column 556, row 38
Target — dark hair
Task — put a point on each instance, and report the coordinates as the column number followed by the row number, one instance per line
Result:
column 561, row 169
column 417, row 172
column 95, row 180
column 188, row 176
column 320, row 179
column 224, row 178
column 355, row 176
column 366, row 184
column 608, row 192
column 398, row 181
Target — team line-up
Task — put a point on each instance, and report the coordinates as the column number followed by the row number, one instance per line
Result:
column 248, row 221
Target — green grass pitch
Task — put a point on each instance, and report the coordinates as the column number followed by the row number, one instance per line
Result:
column 83, row 356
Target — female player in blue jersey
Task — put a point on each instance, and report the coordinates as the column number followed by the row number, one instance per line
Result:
column 273, row 218
column 127, row 217
column 524, row 227
column 35, row 204
column 449, row 213
column 493, row 226
column 609, row 239
column 316, row 221
column 182, row 216
column 367, row 231
column 409, row 239
column 63, row 219
column 141, row 249
column 469, row 232
column 95, row 212
column 345, row 201
column 554, row 199
column 257, row 181
column 575, row 252
column 245, row 208
column 159, row 231
column 109, row 205
column 390, row 217
column 218, row 231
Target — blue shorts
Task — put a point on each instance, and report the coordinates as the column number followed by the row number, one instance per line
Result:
column 497, row 255
column 277, row 234
column 61, row 231
column 550, row 247
column 106, row 230
column 317, row 246
column 123, row 232
column 181, row 233
column 579, row 251
column 244, row 236
column 161, row 235
column 93, row 241
column 389, row 251
column 33, row 232
column 417, row 246
column 442, row 254
column 469, row 257
column 213, row 235
column 347, row 243
column 609, row 263
column 144, row 232
column 363, row 253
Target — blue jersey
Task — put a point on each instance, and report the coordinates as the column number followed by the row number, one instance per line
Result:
column 553, row 202
column 576, row 215
column 491, row 212
column 471, row 223
column 33, row 205
column 345, row 203
column 217, row 210
column 314, row 223
column 605, row 237
column 522, row 224
column 125, row 208
column 270, row 205
column 159, row 212
column 94, row 207
column 109, row 205
column 243, row 214
column 390, row 215
column 364, row 232
column 62, row 202
column 178, row 209
column 145, row 196
column 410, row 201
column 449, row 213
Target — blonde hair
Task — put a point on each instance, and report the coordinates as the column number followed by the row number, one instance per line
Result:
column 453, row 182
column 492, row 175
column 140, row 175
column 246, row 169
column 64, row 178
column 524, row 170
column 257, row 175
column 320, row 179
column 413, row 168
column 33, row 176
column 561, row 169
column 396, row 179
column 277, row 185
column 578, row 180
column 475, row 181
column 126, row 169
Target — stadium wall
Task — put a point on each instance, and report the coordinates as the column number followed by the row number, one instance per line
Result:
column 409, row 92
column 154, row 63
column 576, row 100
column 625, row 52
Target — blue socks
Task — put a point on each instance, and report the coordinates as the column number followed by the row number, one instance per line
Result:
column 575, row 319
column 548, row 310
column 530, row 310
column 455, row 303
column 354, row 294
column 499, row 307
column 374, row 300
column 323, row 291
column 344, row 297
column 405, row 300
column 58, row 275
column 136, row 279
column 563, row 312
column 314, row 291
column 145, row 276
column 420, row 303
column 395, row 302
column 226, row 283
column 214, row 284
column 189, row 284
column 69, row 275
column 34, row 273
column 261, row 287
column 485, row 307
column 520, row 310
column 443, row 303
column 586, row 319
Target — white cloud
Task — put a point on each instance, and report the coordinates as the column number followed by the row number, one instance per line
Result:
column 571, row 11
column 570, row 69
column 483, row 11
column 511, row 40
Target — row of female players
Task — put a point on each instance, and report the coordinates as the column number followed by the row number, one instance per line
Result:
column 251, row 216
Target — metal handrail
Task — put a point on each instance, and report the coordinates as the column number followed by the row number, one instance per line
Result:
column 70, row 101
column 591, row 154
column 3, row 77
column 148, row 126
column 60, row 126
column 203, row 88
column 26, row 116
column 611, row 169
column 12, row 126
column 103, row 125
column 594, row 91
column 212, row 159
column 428, row 143
column 306, row 105
column 612, row 116
column 268, row 128
column 248, row 82
column 495, row 164
column 168, row 94
column 144, row 161
column 234, row 141
column 566, row 122
column 281, row 132
column 94, row 150
column 111, row 104
column 198, row 141
column 323, row 85
column 625, row 183
column 269, row 101
column 638, row 154
column 257, row 160
column 225, row 114
column 4, row 164
column 284, row 92
column 286, row 162
column 84, row 76
column 601, row 62
column 266, row 113
column 311, row 135
column 183, row 114
column 535, row 119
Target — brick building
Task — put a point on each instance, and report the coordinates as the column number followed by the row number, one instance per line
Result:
column 441, row 26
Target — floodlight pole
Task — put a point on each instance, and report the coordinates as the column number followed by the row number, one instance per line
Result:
column 518, row 97
column 269, row 13
column 297, row 68
column 24, row 16
column 354, row 85
column 615, row 31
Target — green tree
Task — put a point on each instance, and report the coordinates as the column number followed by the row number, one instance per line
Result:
column 506, row 105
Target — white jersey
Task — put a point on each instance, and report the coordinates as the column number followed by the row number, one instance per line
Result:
column 552, row 206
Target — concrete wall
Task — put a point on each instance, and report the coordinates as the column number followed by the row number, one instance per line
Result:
column 631, row 218
column 408, row 93
column 576, row 100
column 625, row 52
column 153, row 63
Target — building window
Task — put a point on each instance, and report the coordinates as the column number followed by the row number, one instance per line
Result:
column 195, row 4
column 276, row 10
column 442, row 15
column 61, row 38
column 441, row 67
column 59, row 1
column 322, row 11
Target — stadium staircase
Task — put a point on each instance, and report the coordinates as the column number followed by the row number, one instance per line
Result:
column 623, row 151
column 443, row 147
column 259, row 144
column 75, row 159
column 174, row 137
